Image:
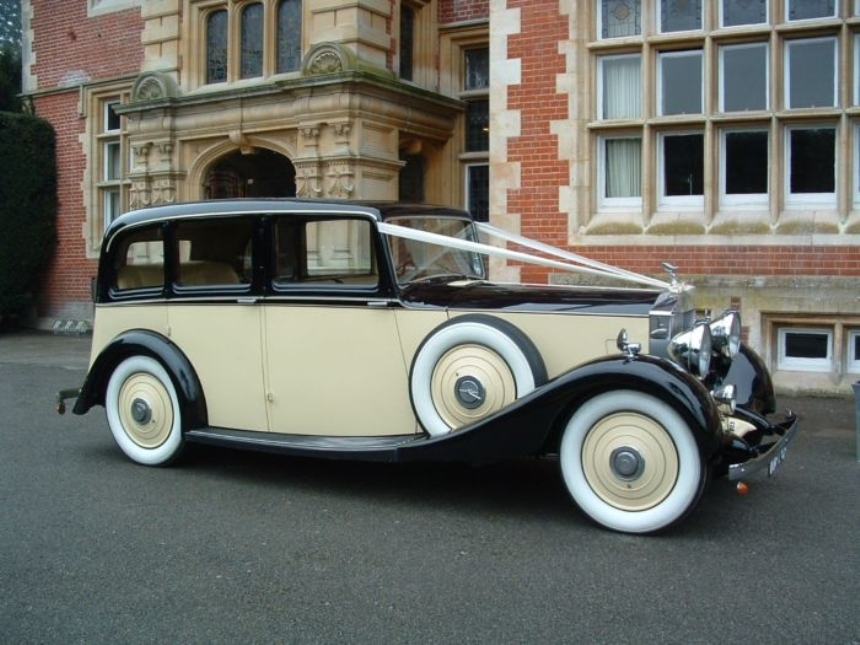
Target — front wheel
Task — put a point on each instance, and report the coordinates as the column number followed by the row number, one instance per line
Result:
column 631, row 463
column 143, row 411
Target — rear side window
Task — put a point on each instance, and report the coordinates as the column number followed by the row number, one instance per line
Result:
column 317, row 253
column 139, row 261
column 214, row 253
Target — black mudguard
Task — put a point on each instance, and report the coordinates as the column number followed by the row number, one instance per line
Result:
column 753, row 385
column 144, row 342
column 533, row 424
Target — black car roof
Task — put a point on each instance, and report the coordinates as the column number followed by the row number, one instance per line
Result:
column 378, row 210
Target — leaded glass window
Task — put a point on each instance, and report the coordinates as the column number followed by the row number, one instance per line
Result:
column 478, row 126
column 477, row 68
column 216, row 47
column 289, row 36
column 252, row 41
column 743, row 12
column 807, row 9
column 680, row 15
column 619, row 18
column 478, row 191
column 407, row 41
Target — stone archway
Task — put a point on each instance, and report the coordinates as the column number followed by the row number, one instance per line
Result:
column 260, row 173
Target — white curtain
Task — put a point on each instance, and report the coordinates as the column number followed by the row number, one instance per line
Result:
column 622, row 87
column 624, row 167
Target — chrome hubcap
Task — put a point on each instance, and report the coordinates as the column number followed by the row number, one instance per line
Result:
column 627, row 463
column 470, row 392
column 141, row 412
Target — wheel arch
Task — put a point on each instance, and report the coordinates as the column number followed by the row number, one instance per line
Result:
column 649, row 375
column 144, row 342
column 512, row 346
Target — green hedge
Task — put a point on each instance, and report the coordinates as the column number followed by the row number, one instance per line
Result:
column 28, row 208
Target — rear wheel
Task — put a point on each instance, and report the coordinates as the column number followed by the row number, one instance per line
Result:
column 631, row 463
column 143, row 411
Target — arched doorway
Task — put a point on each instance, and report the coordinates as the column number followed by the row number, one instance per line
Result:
column 261, row 173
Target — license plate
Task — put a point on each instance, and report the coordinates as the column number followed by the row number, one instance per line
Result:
column 776, row 461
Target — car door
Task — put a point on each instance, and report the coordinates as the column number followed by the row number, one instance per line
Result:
column 334, row 363
column 214, row 318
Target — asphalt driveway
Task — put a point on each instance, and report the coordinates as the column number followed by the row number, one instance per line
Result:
column 240, row 547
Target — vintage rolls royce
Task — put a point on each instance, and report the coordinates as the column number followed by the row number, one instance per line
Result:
column 375, row 332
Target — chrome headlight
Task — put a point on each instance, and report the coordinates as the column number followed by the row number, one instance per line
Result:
column 692, row 349
column 726, row 333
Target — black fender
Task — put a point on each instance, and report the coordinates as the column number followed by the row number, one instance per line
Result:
column 533, row 424
column 753, row 385
column 657, row 377
column 144, row 342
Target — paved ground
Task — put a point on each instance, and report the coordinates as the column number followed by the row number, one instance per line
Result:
column 240, row 547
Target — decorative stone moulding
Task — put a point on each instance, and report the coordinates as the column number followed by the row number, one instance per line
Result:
column 328, row 58
column 153, row 86
column 333, row 58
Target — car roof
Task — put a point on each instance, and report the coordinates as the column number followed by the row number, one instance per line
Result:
column 377, row 210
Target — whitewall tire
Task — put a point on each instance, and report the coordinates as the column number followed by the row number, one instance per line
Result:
column 470, row 368
column 631, row 463
column 143, row 411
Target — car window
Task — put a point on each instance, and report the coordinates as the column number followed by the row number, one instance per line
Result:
column 312, row 253
column 139, row 261
column 214, row 252
column 422, row 258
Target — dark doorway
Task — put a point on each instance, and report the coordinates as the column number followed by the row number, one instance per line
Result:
column 412, row 173
column 262, row 173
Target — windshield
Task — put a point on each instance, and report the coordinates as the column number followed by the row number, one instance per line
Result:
column 417, row 259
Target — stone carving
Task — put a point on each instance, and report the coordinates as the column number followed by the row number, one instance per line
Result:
column 308, row 179
column 139, row 194
column 163, row 191
column 326, row 63
column 152, row 86
column 340, row 184
column 141, row 153
column 165, row 150
column 328, row 58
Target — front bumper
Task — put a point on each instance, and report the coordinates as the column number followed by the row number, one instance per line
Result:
column 749, row 450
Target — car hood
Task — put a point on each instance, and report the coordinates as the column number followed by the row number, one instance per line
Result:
column 479, row 294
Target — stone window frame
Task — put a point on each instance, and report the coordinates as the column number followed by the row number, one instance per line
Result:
column 800, row 364
column 103, row 188
column 424, row 37
column 455, row 40
column 777, row 32
column 195, row 41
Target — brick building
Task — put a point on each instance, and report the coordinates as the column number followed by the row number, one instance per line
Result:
column 723, row 137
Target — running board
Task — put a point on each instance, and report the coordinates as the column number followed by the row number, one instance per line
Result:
column 364, row 448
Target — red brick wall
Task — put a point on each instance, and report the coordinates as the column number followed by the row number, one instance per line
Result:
column 734, row 260
column 67, row 43
column 536, row 149
column 67, row 279
column 451, row 11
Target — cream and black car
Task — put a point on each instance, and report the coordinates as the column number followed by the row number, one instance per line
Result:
column 375, row 332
